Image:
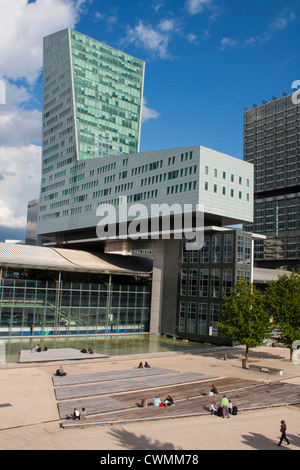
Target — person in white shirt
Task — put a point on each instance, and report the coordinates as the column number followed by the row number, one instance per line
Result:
column 213, row 408
column 76, row 414
column 156, row 401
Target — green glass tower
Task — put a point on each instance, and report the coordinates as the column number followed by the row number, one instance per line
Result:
column 92, row 100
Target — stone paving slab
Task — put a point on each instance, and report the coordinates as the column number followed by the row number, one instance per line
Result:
column 75, row 379
column 140, row 383
column 64, row 354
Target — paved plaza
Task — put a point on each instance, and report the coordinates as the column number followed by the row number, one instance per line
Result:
column 31, row 416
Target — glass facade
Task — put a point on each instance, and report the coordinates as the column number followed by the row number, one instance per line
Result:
column 108, row 87
column 206, row 276
column 272, row 144
column 57, row 305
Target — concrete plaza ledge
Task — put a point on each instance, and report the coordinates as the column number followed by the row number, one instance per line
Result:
column 64, row 354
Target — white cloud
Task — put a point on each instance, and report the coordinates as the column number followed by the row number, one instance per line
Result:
column 22, row 28
column 167, row 25
column 148, row 113
column 197, row 6
column 279, row 23
column 20, row 127
column 20, row 182
column 228, row 42
column 191, row 37
column 158, row 7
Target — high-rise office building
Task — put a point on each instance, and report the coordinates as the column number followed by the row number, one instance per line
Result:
column 92, row 102
column 92, row 98
column 272, row 144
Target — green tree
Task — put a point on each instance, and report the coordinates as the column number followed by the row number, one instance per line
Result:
column 283, row 303
column 243, row 318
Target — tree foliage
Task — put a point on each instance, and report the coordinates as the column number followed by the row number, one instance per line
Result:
column 243, row 318
column 283, row 304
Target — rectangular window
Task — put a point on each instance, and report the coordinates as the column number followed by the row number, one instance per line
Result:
column 227, row 281
column 224, row 175
column 206, row 186
column 228, row 248
column 194, row 256
column 202, row 318
column 181, row 325
column 248, row 246
column 203, row 282
column 185, row 254
column 215, row 188
column 193, row 282
column 183, row 282
column 240, row 249
column 215, row 283
column 191, row 317
column 216, row 249
column 204, row 252
column 206, row 170
column 213, row 319
column 224, row 191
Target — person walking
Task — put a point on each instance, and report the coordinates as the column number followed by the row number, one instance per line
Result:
column 283, row 433
column 224, row 406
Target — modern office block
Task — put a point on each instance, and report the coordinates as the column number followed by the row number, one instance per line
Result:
column 206, row 276
column 271, row 143
column 92, row 98
column 71, row 207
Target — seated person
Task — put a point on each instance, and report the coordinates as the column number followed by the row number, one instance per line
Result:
column 230, row 407
column 156, row 401
column 45, row 348
column 213, row 408
column 169, row 401
column 213, row 391
column 83, row 350
column 75, row 414
column 90, row 351
column 146, row 364
column 140, row 366
column 60, row 372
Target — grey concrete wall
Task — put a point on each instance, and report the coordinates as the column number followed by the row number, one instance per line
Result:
column 166, row 266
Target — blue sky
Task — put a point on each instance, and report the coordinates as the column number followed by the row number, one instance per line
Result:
column 205, row 61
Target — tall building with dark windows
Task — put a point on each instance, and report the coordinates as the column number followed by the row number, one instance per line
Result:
column 272, row 144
